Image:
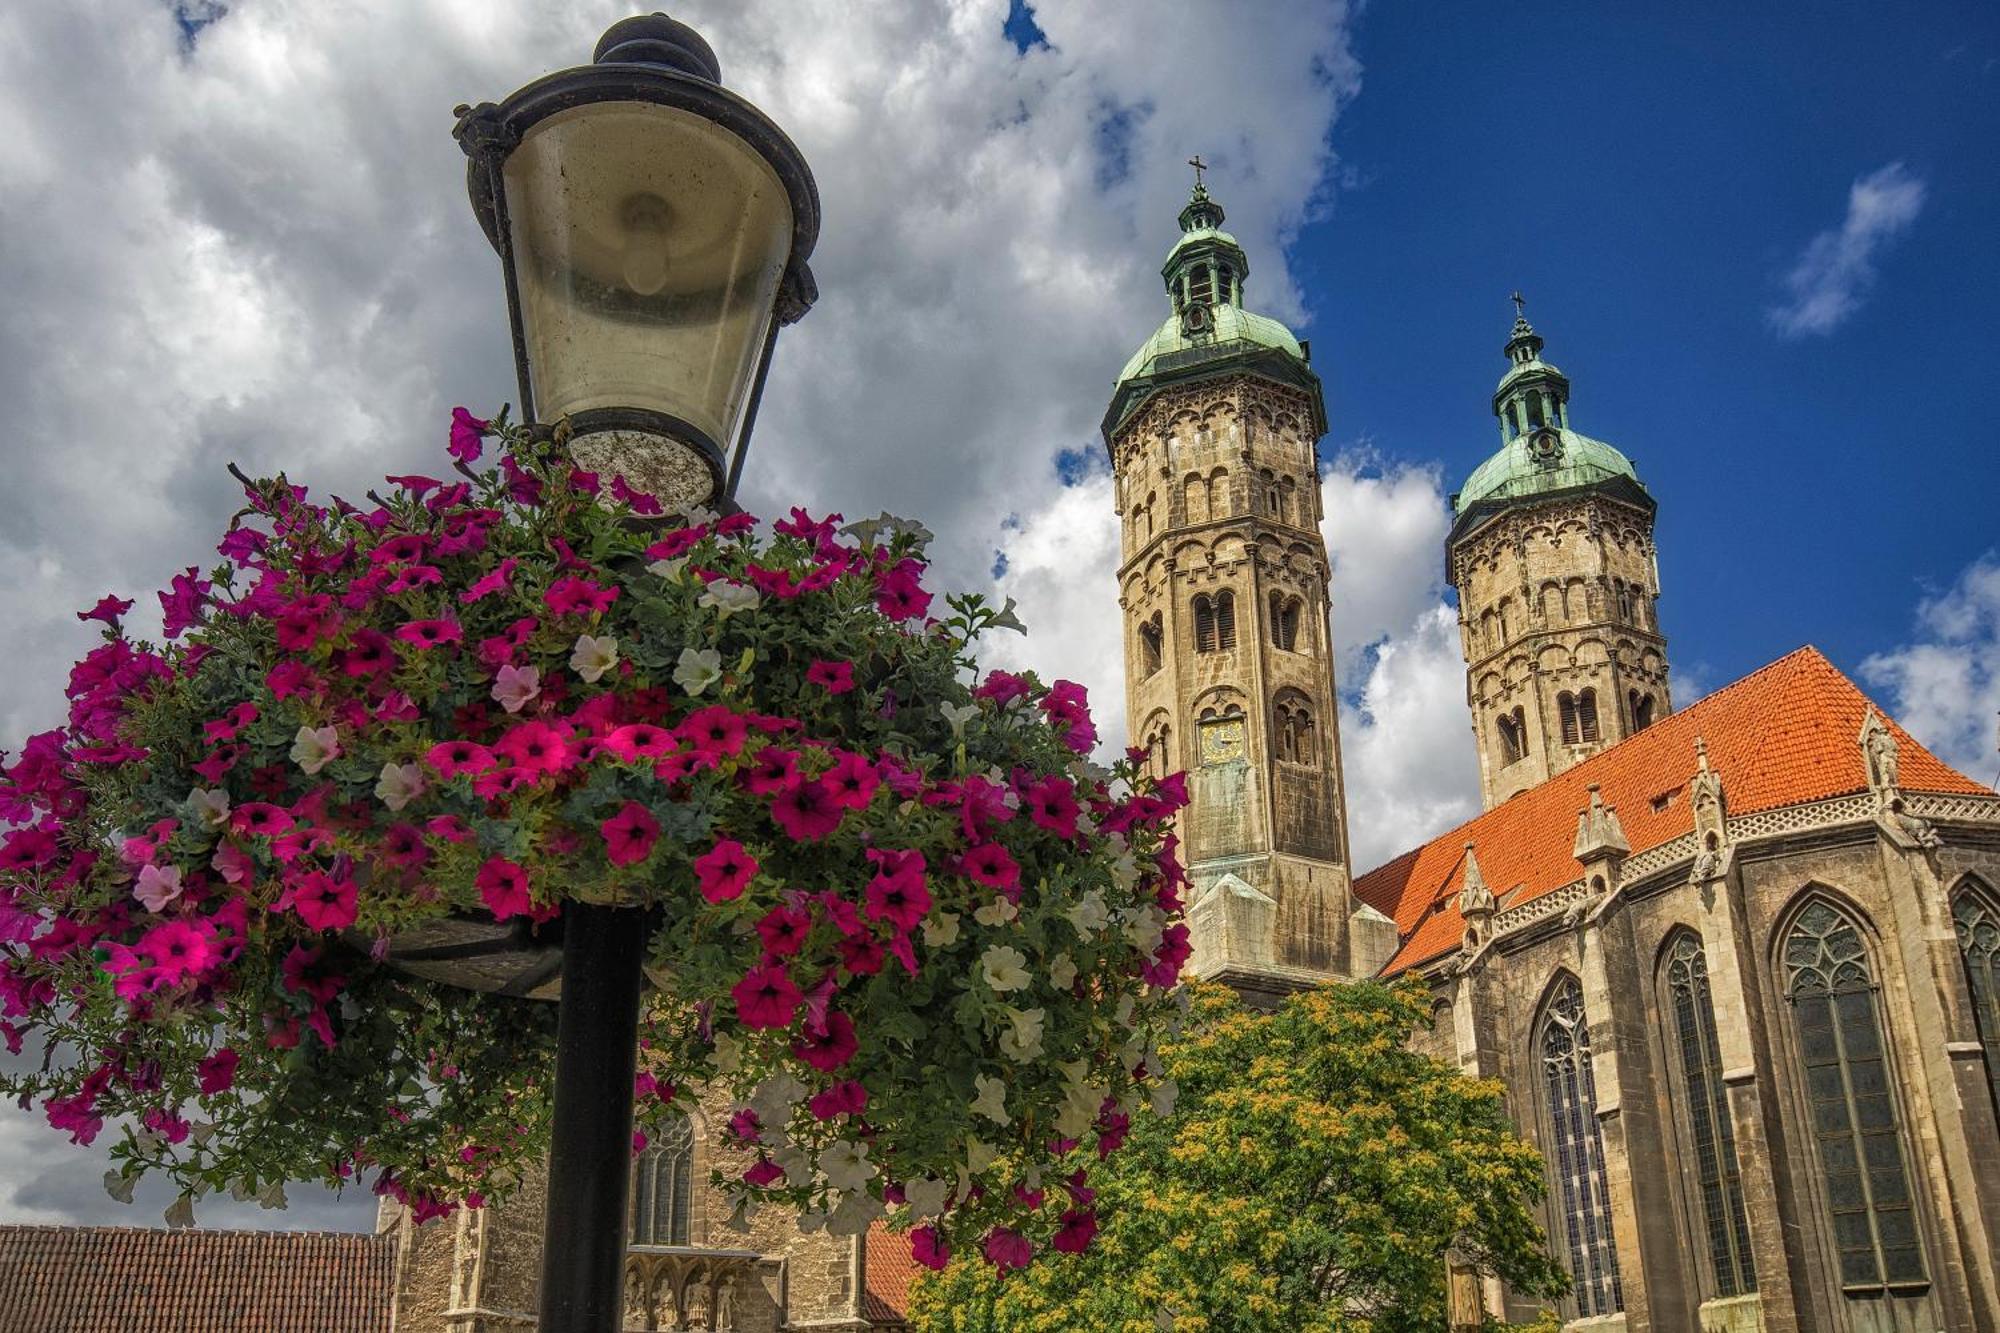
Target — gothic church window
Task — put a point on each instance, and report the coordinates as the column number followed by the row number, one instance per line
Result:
column 1577, row 1151
column 1975, row 916
column 1225, row 621
column 1706, row 1117
column 1215, row 622
column 1566, row 714
column 663, row 1187
column 1831, row 988
column 1152, row 635
column 1204, row 624
column 1285, row 614
column 1586, row 715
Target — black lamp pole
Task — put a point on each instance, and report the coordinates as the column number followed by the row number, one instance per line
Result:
column 650, row 111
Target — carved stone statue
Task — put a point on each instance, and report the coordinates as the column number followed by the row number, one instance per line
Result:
column 1878, row 747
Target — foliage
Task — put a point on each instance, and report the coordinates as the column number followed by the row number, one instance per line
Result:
column 899, row 918
column 1313, row 1179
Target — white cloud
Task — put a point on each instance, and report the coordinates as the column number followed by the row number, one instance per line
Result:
column 1385, row 527
column 1944, row 684
column 259, row 250
column 1834, row 273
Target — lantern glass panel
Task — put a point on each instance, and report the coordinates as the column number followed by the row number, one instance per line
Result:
column 648, row 246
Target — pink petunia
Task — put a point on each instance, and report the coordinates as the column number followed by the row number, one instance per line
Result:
column 178, row 949
column 1006, row 1248
column 833, row 677
column 897, row 894
column 108, row 609
column 466, row 433
column 403, row 846
column 724, row 871
column 503, row 887
column 514, row 687
column 322, row 901
column 773, row 771
column 715, row 731
column 992, row 865
column 852, row 781
column 496, row 580
column 928, row 1247
column 157, row 886
column 766, row 997
column 783, row 930
column 217, row 1072
column 535, row 746
column 579, row 597
column 451, row 758
column 845, row 1098
column 368, row 653
column 430, row 633
column 1068, row 711
column 1051, row 803
column 763, row 1172
column 830, row 1045
column 260, row 819
column 630, row 834
column 807, row 811
column 1076, row 1231
column 638, row 740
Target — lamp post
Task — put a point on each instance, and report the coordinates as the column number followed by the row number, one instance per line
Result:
column 653, row 231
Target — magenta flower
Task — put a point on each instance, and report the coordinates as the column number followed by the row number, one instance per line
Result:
column 639, row 740
column 466, row 432
column 806, row 811
column 833, row 677
column 403, row 846
column 630, row 834
column 430, row 633
column 992, row 865
column 1068, row 711
column 766, row 997
column 898, row 593
column 503, row 887
column 642, row 502
column 897, row 893
column 852, row 781
column 178, row 950
column 451, row 758
column 305, row 621
column 321, row 901
column 497, row 580
column 763, row 1172
column 715, row 731
column 368, row 653
column 289, row 679
column 217, row 1072
column 1006, row 1248
column 108, row 609
column 928, row 1248
column 535, row 746
column 1051, row 803
column 830, row 1045
column 783, row 930
column 579, row 597
column 181, row 603
column 846, row 1098
column 724, row 871
column 1075, row 1233
column 1002, row 687
column 775, row 770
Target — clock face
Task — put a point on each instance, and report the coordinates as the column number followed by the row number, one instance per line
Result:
column 1221, row 739
column 1546, row 446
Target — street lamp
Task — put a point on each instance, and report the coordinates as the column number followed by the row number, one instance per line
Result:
column 653, row 229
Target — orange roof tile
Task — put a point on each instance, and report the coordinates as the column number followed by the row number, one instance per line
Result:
column 1784, row 734
column 890, row 1269
column 132, row 1280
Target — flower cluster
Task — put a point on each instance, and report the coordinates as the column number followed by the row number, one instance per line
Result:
column 924, row 946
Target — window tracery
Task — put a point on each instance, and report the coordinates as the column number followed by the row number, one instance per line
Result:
column 663, row 1187
column 1577, row 1151
column 1975, row 918
column 1706, row 1115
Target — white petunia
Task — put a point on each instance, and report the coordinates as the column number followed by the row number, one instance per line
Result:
column 1005, row 968
column 979, row 1156
column 399, row 784
column 728, row 598
column 854, row 1214
column 211, row 806
column 776, row 1096
column 940, row 929
column 1088, row 914
column 845, row 1165
column 992, row 1099
column 592, row 657
column 180, row 1213
column 1145, row 929
column 698, row 669
column 1022, row 1041
column 996, row 913
column 273, row 1196
column 792, row 1160
column 743, row 1208
column 1165, row 1093
column 1125, row 871
column 926, row 1196
column 669, row 570
column 958, row 715
column 315, row 747
column 119, row 1186
column 1062, row 972
column 514, row 687
column 728, row 1053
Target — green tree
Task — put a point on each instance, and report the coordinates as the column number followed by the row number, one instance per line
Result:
column 1312, row 1177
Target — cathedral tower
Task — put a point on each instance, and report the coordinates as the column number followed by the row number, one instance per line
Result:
column 1213, row 431
column 1551, row 551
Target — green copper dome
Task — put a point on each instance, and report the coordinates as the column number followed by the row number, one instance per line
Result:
column 1539, row 451
column 1231, row 326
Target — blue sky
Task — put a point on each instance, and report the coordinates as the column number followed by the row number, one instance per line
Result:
column 1647, row 175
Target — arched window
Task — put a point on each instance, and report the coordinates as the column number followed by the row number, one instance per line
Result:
column 1586, row 715
column 1285, row 613
column 1642, row 710
column 1152, row 637
column 1196, row 495
column 663, row 1187
column 1218, row 494
column 1201, row 284
column 1512, row 746
column 1566, row 711
column 1204, row 624
column 1831, row 988
column 1225, row 621
column 1552, row 604
column 1705, row 1117
column 1288, row 502
column 1975, row 915
column 1292, row 729
column 1577, row 1151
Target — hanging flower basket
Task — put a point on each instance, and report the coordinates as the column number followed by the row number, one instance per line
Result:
column 890, row 907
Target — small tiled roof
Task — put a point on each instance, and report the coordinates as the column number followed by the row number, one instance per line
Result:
column 1783, row 735
column 132, row 1280
column 890, row 1269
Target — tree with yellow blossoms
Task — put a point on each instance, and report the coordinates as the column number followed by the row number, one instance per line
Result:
column 1312, row 1178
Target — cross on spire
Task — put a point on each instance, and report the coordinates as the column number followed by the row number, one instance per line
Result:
column 1199, row 167
column 1520, row 302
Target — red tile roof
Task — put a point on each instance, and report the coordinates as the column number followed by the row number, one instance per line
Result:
column 890, row 1269
column 1782, row 735
column 131, row 1280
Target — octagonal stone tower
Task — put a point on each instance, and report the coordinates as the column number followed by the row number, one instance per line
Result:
column 1551, row 551
column 1213, row 432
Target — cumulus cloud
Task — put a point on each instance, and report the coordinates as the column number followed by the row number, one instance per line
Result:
column 1836, row 270
column 1944, row 684
column 259, row 250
